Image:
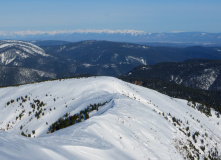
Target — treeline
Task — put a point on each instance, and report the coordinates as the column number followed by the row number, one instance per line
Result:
column 68, row 120
column 202, row 108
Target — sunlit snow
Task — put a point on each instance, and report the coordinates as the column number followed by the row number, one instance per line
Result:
column 134, row 124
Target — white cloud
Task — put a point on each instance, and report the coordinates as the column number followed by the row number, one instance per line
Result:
column 37, row 32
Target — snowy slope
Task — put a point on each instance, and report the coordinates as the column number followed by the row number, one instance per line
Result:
column 135, row 123
column 11, row 51
column 26, row 46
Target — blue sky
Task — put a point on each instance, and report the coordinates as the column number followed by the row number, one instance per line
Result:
column 144, row 15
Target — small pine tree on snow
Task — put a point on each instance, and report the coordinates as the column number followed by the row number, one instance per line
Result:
column 86, row 115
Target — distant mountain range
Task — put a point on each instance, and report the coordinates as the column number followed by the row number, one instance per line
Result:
column 174, row 38
column 59, row 59
column 114, row 59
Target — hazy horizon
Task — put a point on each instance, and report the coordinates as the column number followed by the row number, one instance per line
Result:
column 147, row 16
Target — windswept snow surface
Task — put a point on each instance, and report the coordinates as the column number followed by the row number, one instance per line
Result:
column 134, row 124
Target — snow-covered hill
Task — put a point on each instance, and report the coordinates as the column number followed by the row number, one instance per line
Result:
column 128, row 122
column 11, row 50
column 30, row 58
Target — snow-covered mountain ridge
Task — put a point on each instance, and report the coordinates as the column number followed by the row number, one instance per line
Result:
column 23, row 62
column 11, row 50
column 135, row 123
